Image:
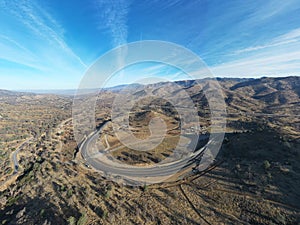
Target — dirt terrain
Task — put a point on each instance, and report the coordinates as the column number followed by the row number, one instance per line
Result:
column 255, row 178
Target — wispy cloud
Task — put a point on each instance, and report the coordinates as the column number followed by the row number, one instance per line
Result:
column 280, row 56
column 13, row 42
column 271, row 9
column 291, row 37
column 36, row 47
column 13, row 51
column 38, row 20
column 113, row 16
column 53, row 39
column 270, row 64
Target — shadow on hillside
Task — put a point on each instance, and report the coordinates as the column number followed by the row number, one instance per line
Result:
column 262, row 163
column 24, row 210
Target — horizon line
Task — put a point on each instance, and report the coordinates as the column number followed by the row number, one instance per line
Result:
column 126, row 84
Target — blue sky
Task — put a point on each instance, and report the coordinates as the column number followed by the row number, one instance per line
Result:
column 50, row 44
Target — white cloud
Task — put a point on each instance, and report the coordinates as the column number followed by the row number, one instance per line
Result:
column 283, row 64
column 288, row 38
column 292, row 35
column 268, row 9
column 41, row 23
column 14, row 52
column 113, row 16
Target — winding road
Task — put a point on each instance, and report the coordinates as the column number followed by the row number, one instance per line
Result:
column 15, row 154
column 107, row 165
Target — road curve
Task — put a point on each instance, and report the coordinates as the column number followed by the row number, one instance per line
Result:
column 156, row 171
column 15, row 154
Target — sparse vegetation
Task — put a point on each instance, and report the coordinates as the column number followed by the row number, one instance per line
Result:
column 82, row 220
column 267, row 165
column 257, row 183
column 72, row 220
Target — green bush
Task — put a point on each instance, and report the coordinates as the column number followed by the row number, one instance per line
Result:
column 107, row 194
column 104, row 214
column 145, row 187
column 267, row 165
column 82, row 220
column 42, row 212
column 69, row 193
column 72, row 220
column 62, row 188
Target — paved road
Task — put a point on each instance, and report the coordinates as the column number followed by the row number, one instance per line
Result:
column 124, row 170
column 15, row 154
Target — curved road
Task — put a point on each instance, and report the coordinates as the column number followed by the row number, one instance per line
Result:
column 130, row 171
column 15, row 153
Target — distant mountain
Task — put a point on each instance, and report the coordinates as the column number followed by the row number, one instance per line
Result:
column 13, row 93
column 243, row 92
column 52, row 91
column 5, row 92
column 271, row 90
